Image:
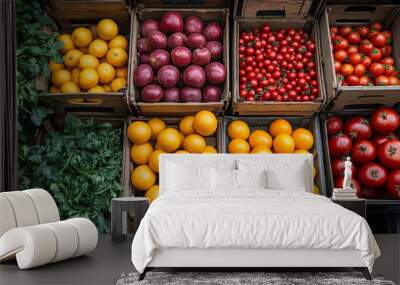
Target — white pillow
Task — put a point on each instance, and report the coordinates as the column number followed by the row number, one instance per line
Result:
column 294, row 180
column 251, row 178
column 223, row 179
column 183, row 178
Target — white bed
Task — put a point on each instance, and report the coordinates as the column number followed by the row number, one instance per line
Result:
column 199, row 225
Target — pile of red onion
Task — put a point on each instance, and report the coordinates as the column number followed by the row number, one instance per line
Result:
column 180, row 60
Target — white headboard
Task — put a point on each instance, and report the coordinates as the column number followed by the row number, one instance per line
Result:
column 193, row 160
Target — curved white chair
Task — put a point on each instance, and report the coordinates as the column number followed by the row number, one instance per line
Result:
column 31, row 231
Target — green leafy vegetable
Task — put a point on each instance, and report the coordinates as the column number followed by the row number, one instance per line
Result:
column 80, row 166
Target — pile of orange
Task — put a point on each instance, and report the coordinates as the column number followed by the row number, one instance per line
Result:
column 280, row 138
column 153, row 137
column 94, row 60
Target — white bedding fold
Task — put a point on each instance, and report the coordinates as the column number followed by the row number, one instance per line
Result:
column 252, row 218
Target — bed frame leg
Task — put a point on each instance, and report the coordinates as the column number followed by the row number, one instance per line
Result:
column 364, row 271
column 143, row 274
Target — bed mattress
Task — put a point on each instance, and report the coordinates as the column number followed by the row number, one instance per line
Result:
column 250, row 219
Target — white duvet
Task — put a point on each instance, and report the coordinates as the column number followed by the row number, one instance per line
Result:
column 252, row 218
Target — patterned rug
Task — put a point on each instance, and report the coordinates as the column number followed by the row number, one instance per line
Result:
column 244, row 278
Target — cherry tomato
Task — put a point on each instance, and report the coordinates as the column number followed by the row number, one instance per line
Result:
column 345, row 30
column 366, row 47
column 382, row 80
column 386, row 51
column 376, row 69
column 359, row 69
column 340, row 55
column 340, row 43
column 346, row 69
column 393, row 80
column 353, row 38
column 352, row 49
column 376, row 54
column 353, row 80
column 376, row 26
column 379, row 40
column 364, row 80
column 338, row 65
column 363, row 31
column 355, row 58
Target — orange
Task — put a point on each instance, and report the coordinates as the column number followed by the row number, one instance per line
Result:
column 98, row 48
column 84, row 50
column 283, row 143
column 107, row 29
column 301, row 151
column 117, row 57
column 119, row 41
column 88, row 61
column 60, row 76
column 238, row 129
column 181, row 152
column 71, row 58
column 280, row 126
column 143, row 177
column 152, row 193
column 122, row 72
column 303, row 139
column 67, row 41
column 88, row 78
column 238, row 146
column 139, row 132
column 75, row 75
column 182, row 138
column 69, row 87
column 194, row 143
column 54, row 66
column 156, row 126
column 82, row 37
column 186, row 125
column 261, row 149
column 54, row 89
column 260, row 137
column 205, row 123
column 117, row 84
column 154, row 159
column 315, row 190
column 107, row 87
column 209, row 149
column 169, row 139
column 106, row 72
column 96, row 89
column 140, row 153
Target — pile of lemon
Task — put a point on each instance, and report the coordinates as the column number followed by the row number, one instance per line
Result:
column 153, row 137
column 95, row 60
column 280, row 139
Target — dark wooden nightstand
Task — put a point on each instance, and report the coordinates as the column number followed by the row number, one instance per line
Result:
column 358, row 206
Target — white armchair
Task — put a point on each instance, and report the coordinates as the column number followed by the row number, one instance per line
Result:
column 31, row 230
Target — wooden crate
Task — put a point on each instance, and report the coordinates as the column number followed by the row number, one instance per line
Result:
column 216, row 140
column 69, row 15
column 327, row 161
column 180, row 3
column 351, row 97
column 310, row 123
column 292, row 15
column 220, row 15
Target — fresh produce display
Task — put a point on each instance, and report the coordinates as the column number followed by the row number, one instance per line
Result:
column 374, row 147
column 153, row 137
column 94, row 60
column 180, row 60
column 80, row 166
column 277, row 65
column 363, row 55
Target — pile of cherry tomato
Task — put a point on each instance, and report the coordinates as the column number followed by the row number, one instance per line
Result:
column 362, row 55
column 277, row 65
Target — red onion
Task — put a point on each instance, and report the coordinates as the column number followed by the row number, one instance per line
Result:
column 216, row 49
column 148, row 26
column 212, row 94
column 216, row 73
column 152, row 93
column 181, row 56
column 171, row 22
column 143, row 75
column 213, row 31
column 176, row 39
column 168, row 76
column 189, row 94
column 193, row 25
column 143, row 46
column 196, row 41
column 172, row 95
column 194, row 76
column 201, row 56
column 158, row 58
column 157, row 40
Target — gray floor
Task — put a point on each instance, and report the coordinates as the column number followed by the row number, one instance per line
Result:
column 103, row 266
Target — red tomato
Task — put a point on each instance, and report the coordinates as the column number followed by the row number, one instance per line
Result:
column 353, row 80
column 334, row 29
column 338, row 65
column 338, row 168
column 366, row 47
column 389, row 154
column 355, row 58
column 359, row 69
column 363, row 151
column 364, row 80
column 363, row 31
column 387, row 60
column 366, row 60
column 380, row 139
column 352, row 49
column 393, row 80
column 376, row 69
column 372, row 175
column 353, row 38
column 385, row 120
column 357, row 128
column 386, row 51
column 340, row 43
column 389, row 69
column 340, row 55
column 376, row 26
column 376, row 54
column 393, row 184
column 334, row 125
column 382, row 80
column 346, row 69
column 345, row 30
column 339, row 145
column 379, row 40
column 353, row 184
